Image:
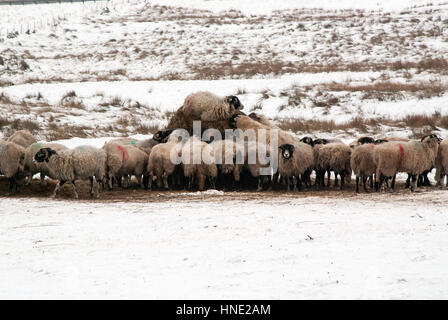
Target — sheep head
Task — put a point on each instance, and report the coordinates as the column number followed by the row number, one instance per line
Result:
column 380, row 141
column 365, row 140
column 320, row 141
column 234, row 103
column 308, row 140
column 287, row 151
column 44, row 154
column 430, row 140
column 162, row 135
column 233, row 121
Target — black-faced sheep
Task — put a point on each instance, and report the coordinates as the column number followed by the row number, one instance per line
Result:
column 32, row 167
column 81, row 163
column 295, row 162
column 207, row 106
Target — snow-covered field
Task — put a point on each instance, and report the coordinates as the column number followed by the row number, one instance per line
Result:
column 85, row 73
column 380, row 246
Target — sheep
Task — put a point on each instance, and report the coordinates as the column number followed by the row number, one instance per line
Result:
column 334, row 157
column 12, row 163
column 124, row 160
column 185, row 121
column 206, row 106
column 32, row 167
column 413, row 157
column 442, row 164
column 296, row 161
column 160, row 164
column 257, row 158
column 362, row 164
column 23, row 138
column 198, row 161
column 69, row 165
column 229, row 157
column 263, row 120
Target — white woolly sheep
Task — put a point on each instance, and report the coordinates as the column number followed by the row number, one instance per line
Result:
column 295, row 161
column 207, row 106
column 334, row 157
column 413, row 157
column 198, row 161
column 81, row 163
column 124, row 160
column 23, row 138
column 12, row 160
column 363, row 164
column 229, row 157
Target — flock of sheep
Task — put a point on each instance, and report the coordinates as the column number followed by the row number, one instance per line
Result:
column 151, row 160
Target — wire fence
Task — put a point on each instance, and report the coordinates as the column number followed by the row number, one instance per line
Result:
column 26, row 17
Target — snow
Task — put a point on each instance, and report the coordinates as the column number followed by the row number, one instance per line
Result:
column 380, row 246
column 267, row 6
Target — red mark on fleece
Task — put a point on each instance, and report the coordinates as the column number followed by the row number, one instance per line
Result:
column 400, row 159
column 124, row 153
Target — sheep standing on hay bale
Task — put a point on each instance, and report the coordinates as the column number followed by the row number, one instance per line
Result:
column 23, row 138
column 213, row 112
column 207, row 106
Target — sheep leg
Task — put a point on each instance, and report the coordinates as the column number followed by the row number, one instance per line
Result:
column 91, row 187
column 357, row 184
column 212, row 183
column 328, row 178
column 342, row 175
column 408, row 181
column 298, row 185
column 364, row 183
column 74, row 189
column 371, row 178
column 12, row 183
column 98, row 184
column 426, row 181
column 260, row 184
column 201, row 182
column 57, row 188
column 288, row 183
column 110, row 180
column 336, row 183
column 145, row 181
column 414, row 183
column 165, row 180
column 43, row 182
column 139, row 180
column 393, row 182
column 29, row 177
